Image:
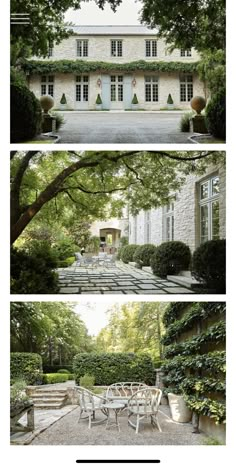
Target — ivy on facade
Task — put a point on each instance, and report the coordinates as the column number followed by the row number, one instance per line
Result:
column 193, row 366
column 39, row 67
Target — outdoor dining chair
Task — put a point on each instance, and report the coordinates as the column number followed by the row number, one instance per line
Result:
column 89, row 403
column 144, row 404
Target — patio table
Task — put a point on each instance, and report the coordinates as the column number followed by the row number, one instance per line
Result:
column 117, row 408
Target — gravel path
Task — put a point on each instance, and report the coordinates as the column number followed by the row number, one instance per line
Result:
column 67, row 431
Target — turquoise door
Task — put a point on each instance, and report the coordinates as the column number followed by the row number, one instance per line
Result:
column 106, row 98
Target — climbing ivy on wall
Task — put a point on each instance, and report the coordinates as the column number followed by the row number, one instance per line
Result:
column 38, row 67
column 193, row 366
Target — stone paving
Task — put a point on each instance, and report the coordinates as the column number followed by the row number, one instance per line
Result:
column 118, row 279
column 68, row 431
column 122, row 127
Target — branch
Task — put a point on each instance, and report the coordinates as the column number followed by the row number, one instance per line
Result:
column 134, row 172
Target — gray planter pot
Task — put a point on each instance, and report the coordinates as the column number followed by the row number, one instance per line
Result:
column 178, row 408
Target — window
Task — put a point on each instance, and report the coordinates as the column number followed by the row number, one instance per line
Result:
column 209, row 209
column 169, row 222
column 116, row 48
column 151, row 89
column 50, row 49
column 82, row 85
column 135, row 229
column 116, row 88
column 147, row 226
column 47, row 85
column 82, row 48
column 186, row 88
column 185, row 52
column 151, row 48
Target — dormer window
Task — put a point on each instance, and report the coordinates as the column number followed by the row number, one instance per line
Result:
column 185, row 52
column 82, row 48
column 151, row 48
column 116, row 48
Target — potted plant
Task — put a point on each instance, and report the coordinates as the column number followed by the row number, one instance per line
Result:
column 99, row 102
column 63, row 102
column 134, row 102
column 170, row 102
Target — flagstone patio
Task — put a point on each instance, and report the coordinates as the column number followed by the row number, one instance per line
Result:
column 118, row 279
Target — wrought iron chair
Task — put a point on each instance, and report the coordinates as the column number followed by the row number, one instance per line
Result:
column 144, row 404
column 89, row 403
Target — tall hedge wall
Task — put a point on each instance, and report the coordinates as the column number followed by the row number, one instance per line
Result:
column 26, row 366
column 108, row 368
column 194, row 363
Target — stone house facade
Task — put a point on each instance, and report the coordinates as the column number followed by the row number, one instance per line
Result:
column 196, row 214
column 110, row 232
column 116, row 62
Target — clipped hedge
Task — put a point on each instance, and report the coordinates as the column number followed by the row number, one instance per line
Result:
column 26, row 366
column 56, row 378
column 108, row 368
column 67, row 262
column 170, row 258
column 127, row 253
column 26, row 114
column 143, row 254
column 48, row 369
column 209, row 264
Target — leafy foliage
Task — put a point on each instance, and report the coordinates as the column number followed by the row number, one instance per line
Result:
column 127, row 253
column 185, row 122
column 98, row 100
column 170, row 258
column 87, row 381
column 209, row 264
column 35, row 67
column 216, row 115
column 26, row 114
column 208, row 407
column 26, row 366
column 135, row 99
column 143, row 254
column 173, row 312
column 198, row 311
column 51, row 329
column 32, row 273
column 55, row 378
column 108, row 368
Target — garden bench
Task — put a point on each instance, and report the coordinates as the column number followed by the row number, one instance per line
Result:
column 17, row 412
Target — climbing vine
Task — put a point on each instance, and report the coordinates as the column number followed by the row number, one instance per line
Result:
column 193, row 366
column 38, row 67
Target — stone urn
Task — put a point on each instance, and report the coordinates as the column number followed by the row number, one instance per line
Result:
column 178, row 408
column 198, row 103
column 47, row 102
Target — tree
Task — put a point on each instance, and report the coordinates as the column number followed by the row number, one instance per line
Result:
column 51, row 329
column 88, row 183
column 46, row 25
column 133, row 327
column 192, row 23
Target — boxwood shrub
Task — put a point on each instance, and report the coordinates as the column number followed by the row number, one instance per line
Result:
column 143, row 253
column 216, row 115
column 127, row 253
column 209, row 264
column 108, row 368
column 26, row 366
column 26, row 114
column 170, row 258
column 48, row 369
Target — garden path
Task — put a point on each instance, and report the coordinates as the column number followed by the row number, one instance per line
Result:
column 67, row 431
column 118, row 279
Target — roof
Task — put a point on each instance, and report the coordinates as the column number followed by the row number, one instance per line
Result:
column 135, row 30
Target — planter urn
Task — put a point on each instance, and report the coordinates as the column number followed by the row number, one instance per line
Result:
column 178, row 408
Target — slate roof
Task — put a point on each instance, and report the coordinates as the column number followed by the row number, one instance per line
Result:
column 135, row 30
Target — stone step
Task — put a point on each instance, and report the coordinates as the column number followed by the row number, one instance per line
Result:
column 185, row 281
column 47, row 395
column 49, row 405
column 50, row 390
column 47, row 400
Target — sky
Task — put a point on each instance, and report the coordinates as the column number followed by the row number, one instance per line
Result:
column 94, row 314
column 90, row 14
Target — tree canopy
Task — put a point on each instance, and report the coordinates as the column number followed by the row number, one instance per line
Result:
column 86, row 186
column 133, row 327
column 51, row 329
